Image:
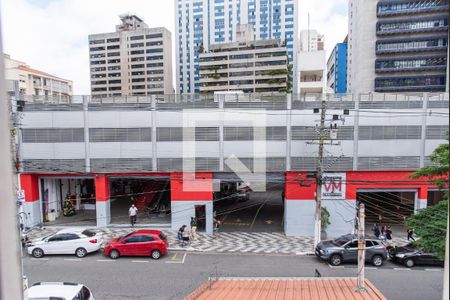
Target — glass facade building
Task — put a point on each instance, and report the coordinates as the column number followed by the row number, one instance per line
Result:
column 411, row 46
column 201, row 23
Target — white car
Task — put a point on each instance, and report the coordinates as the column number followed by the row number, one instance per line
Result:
column 58, row 290
column 68, row 241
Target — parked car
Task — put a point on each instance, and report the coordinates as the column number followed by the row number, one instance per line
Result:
column 68, row 241
column 345, row 249
column 410, row 256
column 143, row 242
column 58, row 290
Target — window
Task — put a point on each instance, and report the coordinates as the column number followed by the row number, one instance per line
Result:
column 153, row 36
column 133, row 239
column 84, row 294
column 71, row 236
column 57, row 238
column 146, row 238
column 352, row 244
column 369, row 244
column 113, row 40
column 136, row 37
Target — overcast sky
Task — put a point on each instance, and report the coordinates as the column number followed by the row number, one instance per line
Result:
column 51, row 35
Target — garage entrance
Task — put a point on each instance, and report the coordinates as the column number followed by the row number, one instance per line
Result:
column 151, row 196
column 68, row 201
column 387, row 207
column 241, row 209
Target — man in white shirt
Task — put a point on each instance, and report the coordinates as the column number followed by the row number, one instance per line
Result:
column 132, row 213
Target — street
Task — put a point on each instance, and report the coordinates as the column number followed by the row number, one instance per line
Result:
column 177, row 274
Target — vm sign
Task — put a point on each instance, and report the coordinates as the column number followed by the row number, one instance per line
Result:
column 333, row 186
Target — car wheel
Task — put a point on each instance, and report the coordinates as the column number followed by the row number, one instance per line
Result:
column 80, row 252
column 156, row 254
column 377, row 260
column 335, row 260
column 409, row 263
column 114, row 254
column 37, row 252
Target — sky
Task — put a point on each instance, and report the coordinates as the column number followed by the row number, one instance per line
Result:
column 52, row 35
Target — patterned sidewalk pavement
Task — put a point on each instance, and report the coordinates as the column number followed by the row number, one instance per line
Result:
column 230, row 242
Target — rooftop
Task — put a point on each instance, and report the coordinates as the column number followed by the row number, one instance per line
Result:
column 285, row 288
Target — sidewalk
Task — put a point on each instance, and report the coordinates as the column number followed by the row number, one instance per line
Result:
column 229, row 242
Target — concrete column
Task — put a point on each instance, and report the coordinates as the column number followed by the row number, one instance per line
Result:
column 356, row 133
column 87, row 162
column 421, row 199
column 187, row 192
column 423, row 135
column 32, row 204
column 154, row 141
column 102, row 200
column 288, row 131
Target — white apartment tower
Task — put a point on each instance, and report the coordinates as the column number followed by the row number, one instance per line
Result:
column 311, row 40
column 201, row 23
column 33, row 84
column 133, row 60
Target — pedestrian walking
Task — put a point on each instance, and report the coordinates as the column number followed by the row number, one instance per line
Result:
column 376, row 230
column 410, row 233
column 388, row 233
column 216, row 227
column 193, row 232
column 132, row 213
column 383, row 230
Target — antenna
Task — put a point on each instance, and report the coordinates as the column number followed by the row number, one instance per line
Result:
column 308, row 34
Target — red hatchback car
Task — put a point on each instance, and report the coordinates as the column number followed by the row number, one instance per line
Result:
column 143, row 242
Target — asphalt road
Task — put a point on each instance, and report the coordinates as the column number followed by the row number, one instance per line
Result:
column 177, row 274
column 262, row 213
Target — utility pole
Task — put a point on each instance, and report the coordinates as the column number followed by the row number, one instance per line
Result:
column 360, row 287
column 322, row 137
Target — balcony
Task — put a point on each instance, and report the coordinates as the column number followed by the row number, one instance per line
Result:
column 410, row 83
column 413, row 25
column 424, row 63
column 428, row 44
column 402, row 7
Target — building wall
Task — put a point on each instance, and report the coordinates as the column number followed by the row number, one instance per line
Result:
column 337, row 69
column 383, row 133
column 256, row 66
column 311, row 72
column 311, row 40
column 397, row 47
column 213, row 22
column 35, row 84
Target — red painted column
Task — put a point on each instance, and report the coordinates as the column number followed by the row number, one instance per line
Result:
column 30, row 185
column 101, row 188
column 103, row 208
column 191, row 186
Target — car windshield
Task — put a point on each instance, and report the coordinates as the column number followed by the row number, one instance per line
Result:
column 47, row 236
column 124, row 236
column 340, row 241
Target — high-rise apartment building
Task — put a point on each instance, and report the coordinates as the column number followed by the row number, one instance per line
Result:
column 201, row 23
column 337, row 69
column 247, row 66
column 32, row 84
column 311, row 40
column 133, row 60
column 397, row 46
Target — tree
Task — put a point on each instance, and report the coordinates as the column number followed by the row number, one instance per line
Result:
column 430, row 224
